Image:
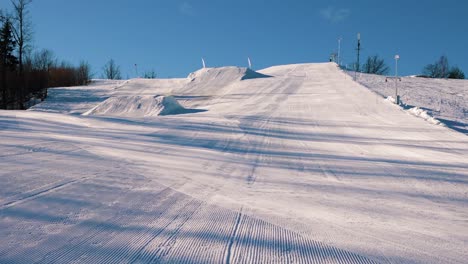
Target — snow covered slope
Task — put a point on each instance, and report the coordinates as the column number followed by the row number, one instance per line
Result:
column 77, row 100
column 446, row 100
column 304, row 166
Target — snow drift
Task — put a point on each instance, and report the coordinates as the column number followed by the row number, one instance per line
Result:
column 138, row 106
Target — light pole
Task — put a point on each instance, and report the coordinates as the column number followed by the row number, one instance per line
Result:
column 136, row 70
column 397, row 98
column 358, row 54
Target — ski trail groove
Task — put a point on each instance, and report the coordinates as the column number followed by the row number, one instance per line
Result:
column 232, row 237
column 40, row 193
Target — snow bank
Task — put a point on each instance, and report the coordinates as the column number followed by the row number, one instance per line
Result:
column 138, row 106
column 391, row 99
column 416, row 111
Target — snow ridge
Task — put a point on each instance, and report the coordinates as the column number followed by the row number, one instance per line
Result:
column 416, row 111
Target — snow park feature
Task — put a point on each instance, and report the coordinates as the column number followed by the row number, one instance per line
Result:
column 138, row 106
column 289, row 164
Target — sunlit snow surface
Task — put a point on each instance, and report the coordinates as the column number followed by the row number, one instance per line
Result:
column 444, row 99
column 297, row 165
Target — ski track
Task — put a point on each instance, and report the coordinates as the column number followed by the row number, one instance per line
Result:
column 24, row 197
column 172, row 227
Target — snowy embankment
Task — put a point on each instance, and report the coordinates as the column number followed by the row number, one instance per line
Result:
column 443, row 99
column 305, row 166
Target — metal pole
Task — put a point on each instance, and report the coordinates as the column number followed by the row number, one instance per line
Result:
column 339, row 51
column 136, row 70
column 396, row 65
column 356, row 68
column 358, row 51
column 397, row 100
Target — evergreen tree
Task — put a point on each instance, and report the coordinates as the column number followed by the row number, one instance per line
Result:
column 8, row 61
column 456, row 73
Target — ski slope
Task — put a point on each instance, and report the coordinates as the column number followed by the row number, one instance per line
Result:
column 290, row 164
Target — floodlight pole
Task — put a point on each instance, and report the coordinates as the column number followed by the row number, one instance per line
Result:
column 397, row 99
column 358, row 54
column 136, row 70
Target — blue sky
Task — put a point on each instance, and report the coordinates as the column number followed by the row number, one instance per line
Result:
column 170, row 36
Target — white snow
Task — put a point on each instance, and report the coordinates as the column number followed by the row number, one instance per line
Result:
column 443, row 99
column 137, row 106
column 416, row 111
column 304, row 166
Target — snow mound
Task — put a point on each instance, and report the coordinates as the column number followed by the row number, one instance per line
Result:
column 210, row 81
column 138, row 106
column 416, row 111
column 251, row 74
column 390, row 99
column 224, row 74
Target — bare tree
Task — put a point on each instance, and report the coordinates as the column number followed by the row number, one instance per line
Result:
column 22, row 32
column 112, row 70
column 439, row 69
column 44, row 60
column 375, row 65
column 83, row 73
column 23, row 28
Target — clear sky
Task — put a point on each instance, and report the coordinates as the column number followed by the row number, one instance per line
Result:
column 171, row 36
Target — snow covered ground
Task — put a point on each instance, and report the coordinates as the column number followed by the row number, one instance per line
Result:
column 297, row 165
column 444, row 99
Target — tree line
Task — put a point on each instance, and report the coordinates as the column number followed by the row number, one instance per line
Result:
column 111, row 71
column 26, row 74
column 438, row 69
